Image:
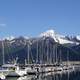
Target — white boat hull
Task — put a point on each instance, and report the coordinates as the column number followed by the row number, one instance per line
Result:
column 58, row 69
column 2, row 77
column 18, row 73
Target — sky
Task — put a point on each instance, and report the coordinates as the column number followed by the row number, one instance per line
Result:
column 31, row 17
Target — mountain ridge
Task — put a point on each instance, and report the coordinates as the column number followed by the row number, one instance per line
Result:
column 18, row 47
column 51, row 33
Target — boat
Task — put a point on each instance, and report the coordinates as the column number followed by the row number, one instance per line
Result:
column 58, row 65
column 32, row 70
column 3, row 71
column 2, row 76
column 28, row 77
column 11, row 69
column 68, row 66
column 58, row 68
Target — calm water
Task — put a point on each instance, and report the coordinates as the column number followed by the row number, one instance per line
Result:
column 66, row 75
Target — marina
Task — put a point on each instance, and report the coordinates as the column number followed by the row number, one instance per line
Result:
column 33, row 71
column 36, row 68
column 59, row 75
column 39, row 39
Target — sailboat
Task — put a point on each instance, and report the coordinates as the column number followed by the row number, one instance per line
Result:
column 15, row 71
column 3, row 71
column 68, row 66
column 58, row 66
column 11, row 69
column 30, row 69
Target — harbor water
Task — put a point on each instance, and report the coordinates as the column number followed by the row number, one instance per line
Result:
column 59, row 75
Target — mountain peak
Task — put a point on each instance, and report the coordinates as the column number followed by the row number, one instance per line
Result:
column 51, row 31
column 48, row 33
column 57, row 37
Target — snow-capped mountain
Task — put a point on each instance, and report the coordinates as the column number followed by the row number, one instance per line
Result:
column 78, row 37
column 49, row 33
column 57, row 38
column 61, row 39
column 18, row 46
column 9, row 38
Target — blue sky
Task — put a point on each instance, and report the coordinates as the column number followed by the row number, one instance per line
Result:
column 31, row 17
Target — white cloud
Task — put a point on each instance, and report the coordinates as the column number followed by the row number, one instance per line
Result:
column 2, row 25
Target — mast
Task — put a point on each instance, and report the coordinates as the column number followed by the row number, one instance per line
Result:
column 67, row 57
column 53, row 56
column 60, row 57
column 37, row 52
column 25, row 61
column 42, row 51
column 3, row 51
column 56, row 54
column 28, row 53
column 50, row 53
column 47, row 52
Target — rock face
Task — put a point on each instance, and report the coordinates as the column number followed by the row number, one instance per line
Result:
column 49, row 47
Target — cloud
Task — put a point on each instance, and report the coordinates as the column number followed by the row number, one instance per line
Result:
column 2, row 25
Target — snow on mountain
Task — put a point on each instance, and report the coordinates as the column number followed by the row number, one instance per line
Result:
column 26, row 37
column 12, row 41
column 78, row 37
column 58, row 38
column 12, row 37
column 9, row 38
column 49, row 33
column 64, row 41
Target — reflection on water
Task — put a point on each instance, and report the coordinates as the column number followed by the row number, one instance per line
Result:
column 66, row 75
